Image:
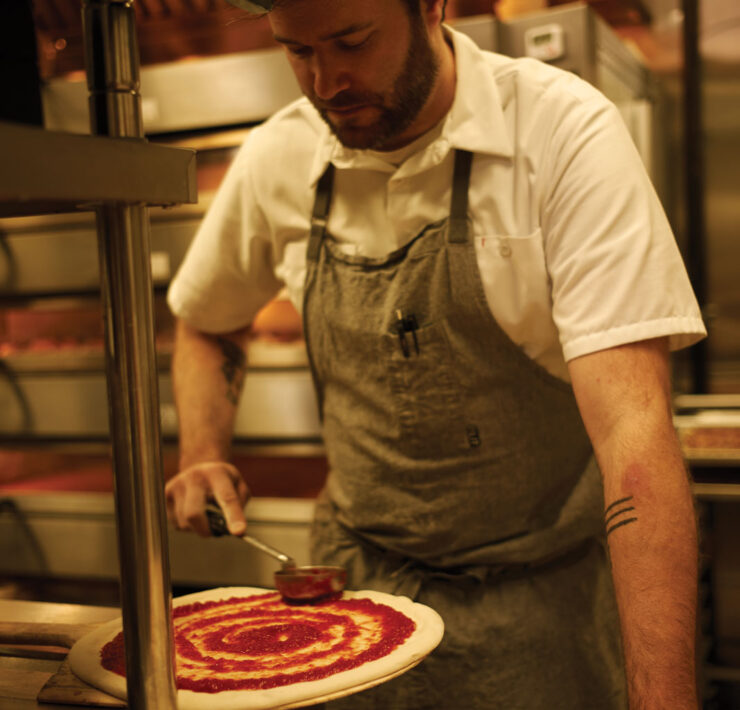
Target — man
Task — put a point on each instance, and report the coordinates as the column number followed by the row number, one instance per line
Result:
column 489, row 291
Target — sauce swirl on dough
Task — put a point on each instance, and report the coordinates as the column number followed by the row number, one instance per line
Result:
column 260, row 642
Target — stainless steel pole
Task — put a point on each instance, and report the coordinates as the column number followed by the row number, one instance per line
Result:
column 695, row 186
column 124, row 244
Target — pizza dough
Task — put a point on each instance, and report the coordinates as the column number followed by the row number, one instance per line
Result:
column 322, row 638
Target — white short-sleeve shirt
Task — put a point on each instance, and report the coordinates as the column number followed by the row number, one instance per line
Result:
column 574, row 249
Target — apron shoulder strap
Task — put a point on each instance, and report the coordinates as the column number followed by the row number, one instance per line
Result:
column 458, row 229
column 320, row 213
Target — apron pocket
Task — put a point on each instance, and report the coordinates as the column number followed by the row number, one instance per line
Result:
column 426, row 393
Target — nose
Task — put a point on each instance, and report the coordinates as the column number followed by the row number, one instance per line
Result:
column 329, row 78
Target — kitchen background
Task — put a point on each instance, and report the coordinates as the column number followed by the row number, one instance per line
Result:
column 208, row 75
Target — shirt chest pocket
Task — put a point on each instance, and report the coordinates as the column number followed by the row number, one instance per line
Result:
column 516, row 283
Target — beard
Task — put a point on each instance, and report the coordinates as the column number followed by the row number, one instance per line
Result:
column 396, row 110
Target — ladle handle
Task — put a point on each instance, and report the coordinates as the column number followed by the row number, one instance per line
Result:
column 219, row 528
column 287, row 562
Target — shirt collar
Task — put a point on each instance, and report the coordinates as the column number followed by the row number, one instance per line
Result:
column 475, row 121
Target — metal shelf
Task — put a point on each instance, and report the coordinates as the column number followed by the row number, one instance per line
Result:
column 724, row 674
column 717, row 492
column 45, row 171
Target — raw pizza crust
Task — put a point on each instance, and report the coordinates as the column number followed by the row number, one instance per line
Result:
column 84, row 659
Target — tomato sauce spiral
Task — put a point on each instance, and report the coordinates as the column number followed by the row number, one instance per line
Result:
column 260, row 642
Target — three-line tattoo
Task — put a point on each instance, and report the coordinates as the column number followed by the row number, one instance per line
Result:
column 619, row 513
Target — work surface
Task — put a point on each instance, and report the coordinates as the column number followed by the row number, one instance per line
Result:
column 22, row 678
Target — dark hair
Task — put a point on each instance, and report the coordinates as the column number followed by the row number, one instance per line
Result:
column 412, row 7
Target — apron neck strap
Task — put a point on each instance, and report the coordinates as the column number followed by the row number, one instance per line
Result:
column 458, row 230
column 320, row 213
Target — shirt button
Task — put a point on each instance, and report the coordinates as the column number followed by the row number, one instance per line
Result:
column 504, row 249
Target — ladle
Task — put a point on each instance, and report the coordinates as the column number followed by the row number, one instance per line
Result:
column 295, row 583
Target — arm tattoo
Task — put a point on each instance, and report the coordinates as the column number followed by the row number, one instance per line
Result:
column 233, row 368
column 619, row 513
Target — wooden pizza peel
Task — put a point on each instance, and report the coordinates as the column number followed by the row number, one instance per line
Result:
column 63, row 687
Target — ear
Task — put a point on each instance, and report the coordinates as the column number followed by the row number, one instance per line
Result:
column 433, row 11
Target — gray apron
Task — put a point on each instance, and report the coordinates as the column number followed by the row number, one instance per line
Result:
column 460, row 475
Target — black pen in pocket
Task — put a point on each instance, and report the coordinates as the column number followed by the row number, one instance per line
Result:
column 406, row 324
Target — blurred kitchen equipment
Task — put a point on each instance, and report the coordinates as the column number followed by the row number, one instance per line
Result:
column 574, row 37
column 304, row 583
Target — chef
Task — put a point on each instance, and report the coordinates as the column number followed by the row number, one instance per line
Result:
column 489, row 291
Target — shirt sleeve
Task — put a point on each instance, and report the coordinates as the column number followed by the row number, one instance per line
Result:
column 228, row 272
column 616, row 272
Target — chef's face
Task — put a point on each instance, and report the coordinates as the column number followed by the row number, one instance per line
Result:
column 366, row 65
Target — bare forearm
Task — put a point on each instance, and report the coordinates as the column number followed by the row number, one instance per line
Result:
column 651, row 534
column 624, row 397
column 208, row 374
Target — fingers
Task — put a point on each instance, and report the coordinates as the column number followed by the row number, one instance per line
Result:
column 191, row 509
column 227, row 495
column 186, row 495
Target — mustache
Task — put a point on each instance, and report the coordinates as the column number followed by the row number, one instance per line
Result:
column 348, row 99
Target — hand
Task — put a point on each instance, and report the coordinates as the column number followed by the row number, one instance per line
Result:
column 186, row 495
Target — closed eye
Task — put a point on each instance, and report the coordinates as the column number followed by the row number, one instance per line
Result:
column 353, row 45
column 299, row 50
column 345, row 42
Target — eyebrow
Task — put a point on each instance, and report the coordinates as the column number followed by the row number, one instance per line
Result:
column 351, row 29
